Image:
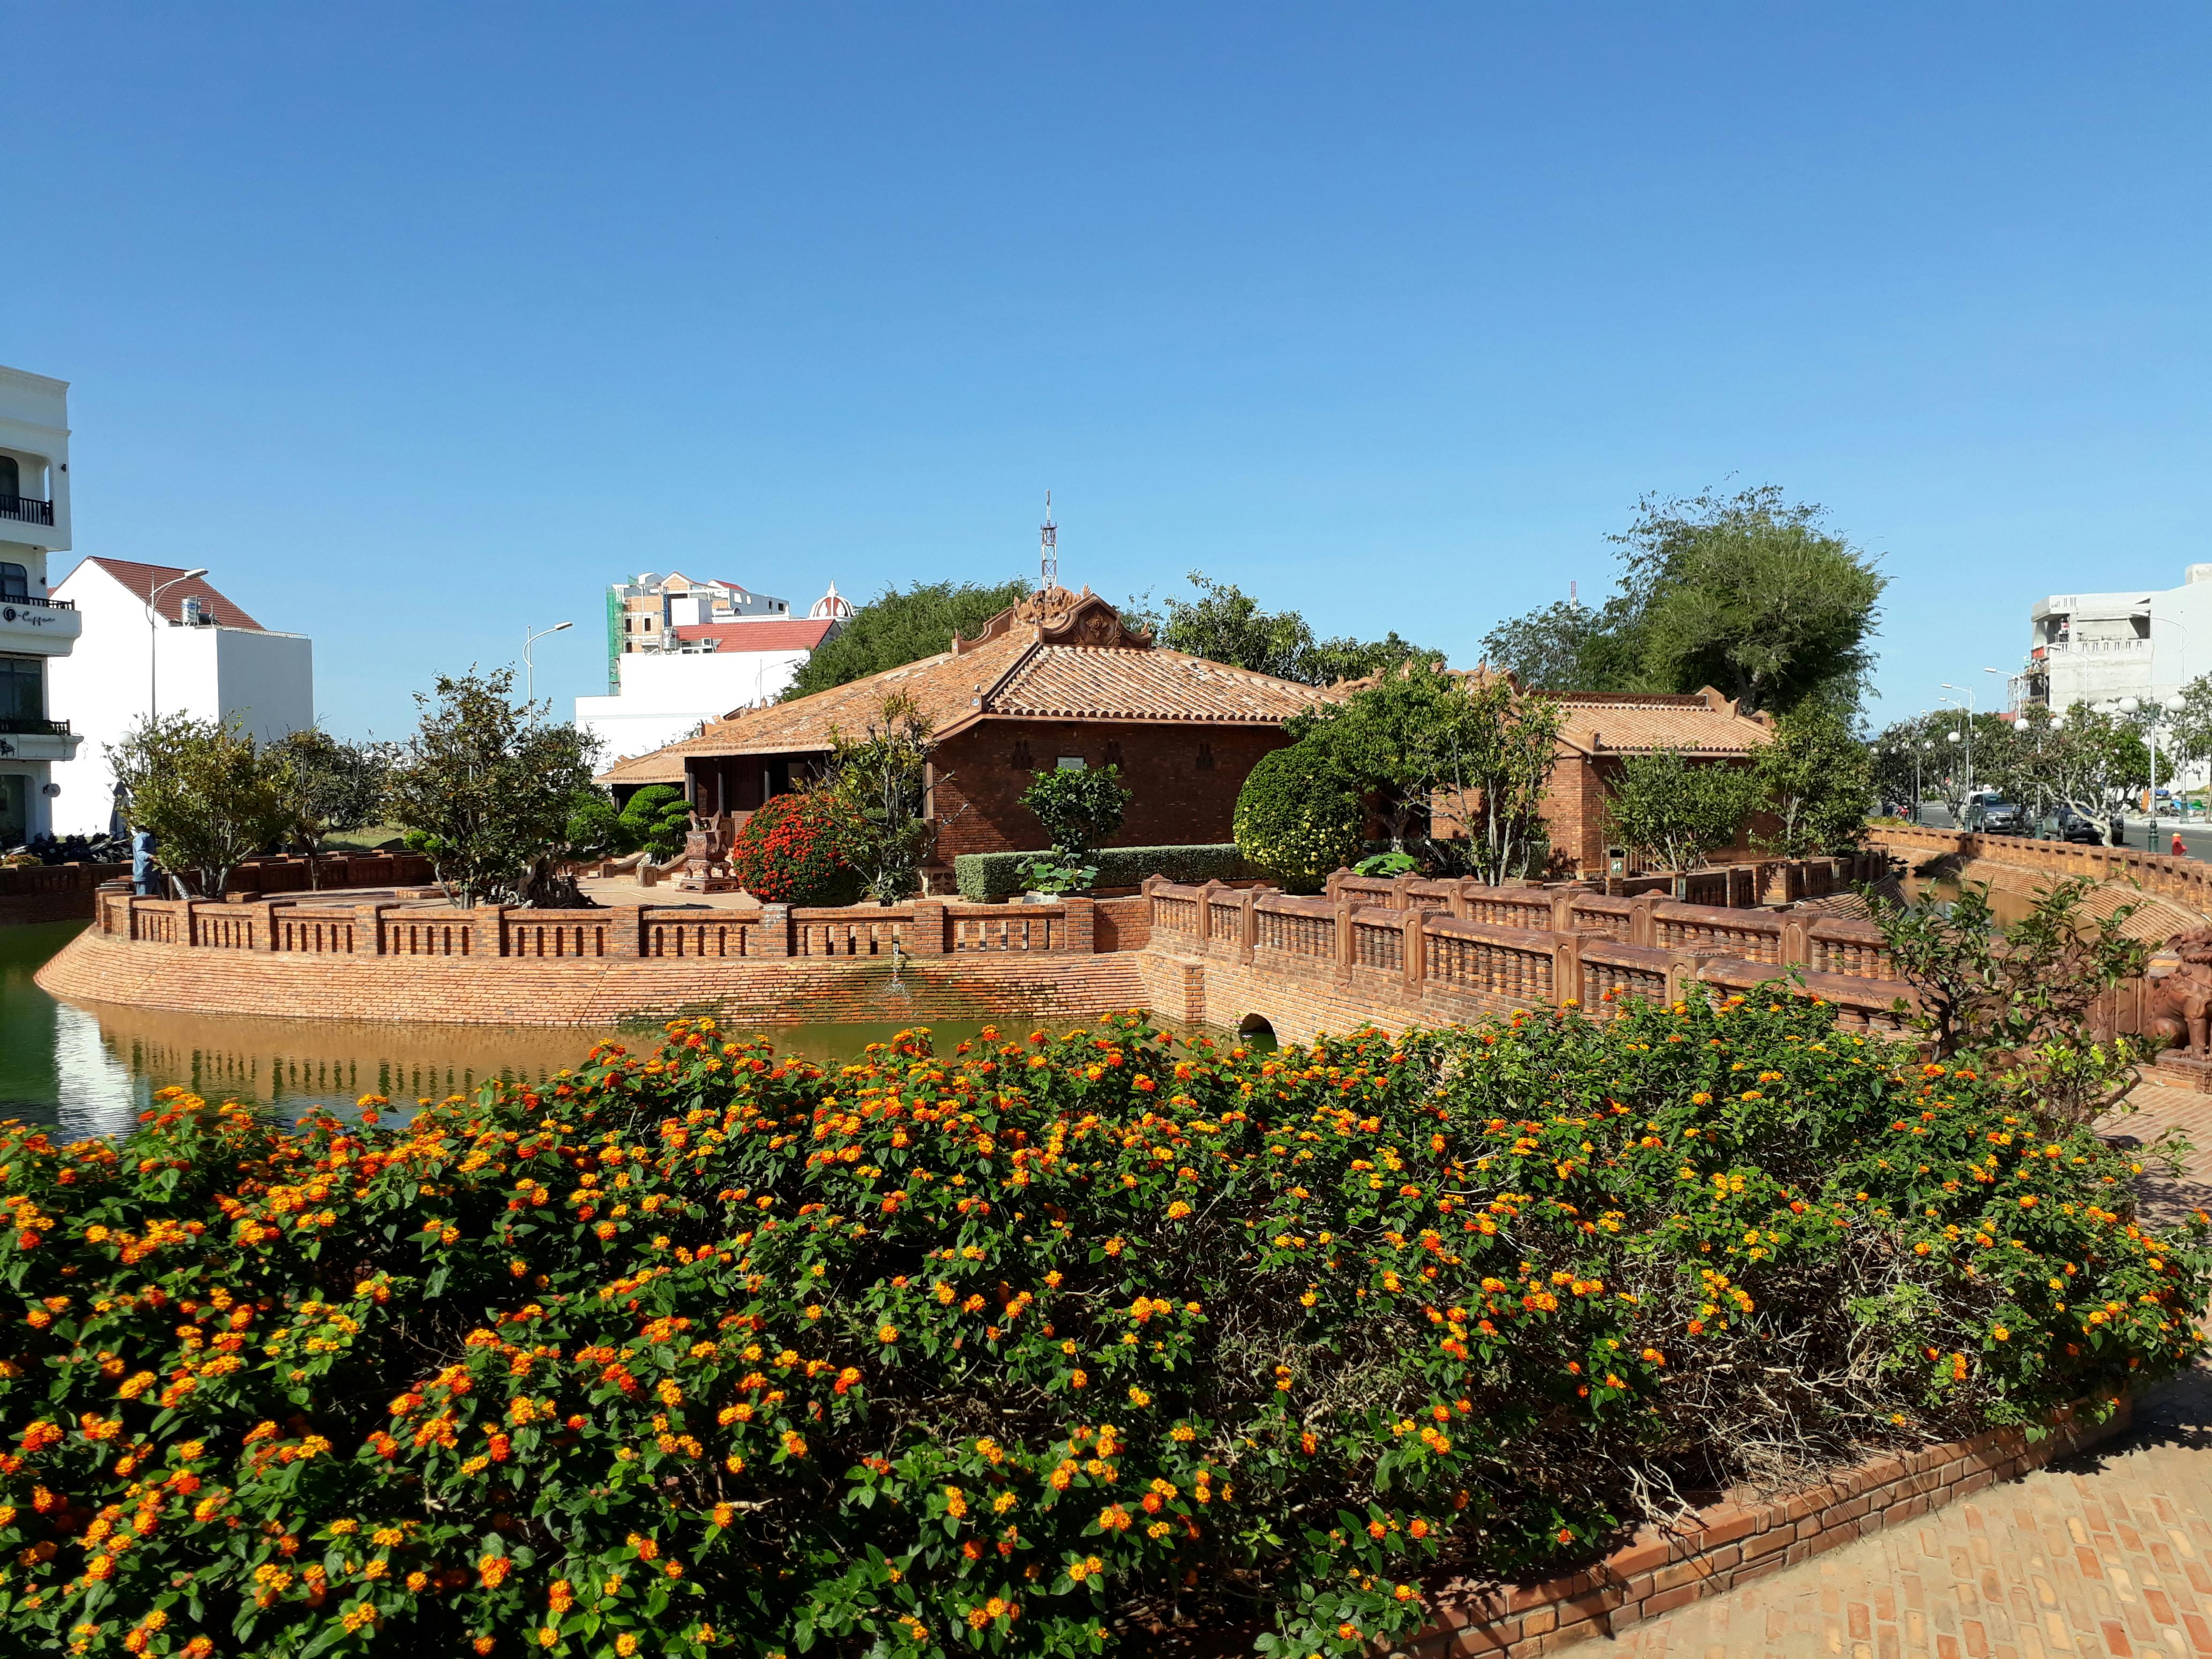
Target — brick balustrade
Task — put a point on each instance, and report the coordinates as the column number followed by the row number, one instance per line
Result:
column 2187, row 882
column 1409, row 952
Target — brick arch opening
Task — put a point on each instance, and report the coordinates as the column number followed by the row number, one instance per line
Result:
column 1258, row 1027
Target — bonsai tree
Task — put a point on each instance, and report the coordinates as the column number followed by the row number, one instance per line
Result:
column 656, row 818
column 210, row 796
column 880, row 784
column 1675, row 812
column 486, row 790
column 1298, row 817
column 1080, row 811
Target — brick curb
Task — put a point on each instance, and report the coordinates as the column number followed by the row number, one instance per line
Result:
column 1729, row 1543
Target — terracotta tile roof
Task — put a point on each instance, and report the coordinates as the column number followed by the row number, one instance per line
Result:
column 799, row 634
column 1706, row 724
column 1013, row 675
column 143, row 579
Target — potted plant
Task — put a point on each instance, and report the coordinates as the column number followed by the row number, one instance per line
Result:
column 1057, row 874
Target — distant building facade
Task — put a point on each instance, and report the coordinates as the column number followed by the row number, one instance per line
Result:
column 157, row 640
column 693, row 664
column 37, row 630
column 2137, row 642
column 644, row 612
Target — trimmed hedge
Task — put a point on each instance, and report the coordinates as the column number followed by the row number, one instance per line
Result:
column 983, row 877
column 1298, row 818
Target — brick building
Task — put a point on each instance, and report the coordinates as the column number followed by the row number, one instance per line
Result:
column 1602, row 728
column 1056, row 680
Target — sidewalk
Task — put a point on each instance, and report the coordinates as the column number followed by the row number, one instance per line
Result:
column 2106, row 1555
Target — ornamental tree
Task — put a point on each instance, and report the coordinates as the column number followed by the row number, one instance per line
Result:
column 1818, row 780
column 485, row 787
column 792, row 851
column 206, row 791
column 880, row 783
column 1081, row 808
column 1299, row 818
column 1674, row 812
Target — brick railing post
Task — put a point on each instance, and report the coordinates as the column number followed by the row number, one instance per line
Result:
column 1643, row 927
column 369, row 924
column 1206, row 914
column 268, row 909
column 1796, row 942
column 1413, row 949
column 112, row 900
column 1248, row 923
column 925, row 933
column 626, row 931
column 1333, row 889
column 1683, row 968
column 1400, row 898
column 1463, row 899
column 774, row 934
column 1082, row 937
column 1567, row 970
column 1563, row 911
column 1347, row 946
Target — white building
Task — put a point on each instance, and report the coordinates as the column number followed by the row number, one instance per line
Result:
column 158, row 640
column 698, row 669
column 36, row 631
column 643, row 613
column 2093, row 648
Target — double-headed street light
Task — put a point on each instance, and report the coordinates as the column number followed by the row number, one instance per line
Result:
column 529, row 674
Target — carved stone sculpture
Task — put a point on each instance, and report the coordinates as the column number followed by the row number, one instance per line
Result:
column 2180, row 993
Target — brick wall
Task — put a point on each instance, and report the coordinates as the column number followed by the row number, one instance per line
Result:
column 52, row 892
column 1575, row 805
column 1185, row 780
column 591, row 992
column 1727, row 1545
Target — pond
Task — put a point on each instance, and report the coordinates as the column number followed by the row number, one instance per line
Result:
column 91, row 1069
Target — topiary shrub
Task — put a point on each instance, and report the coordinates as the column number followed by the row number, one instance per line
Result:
column 706, row 1351
column 791, row 852
column 657, row 818
column 1298, row 818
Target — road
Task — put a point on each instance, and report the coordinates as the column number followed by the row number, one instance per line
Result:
column 2196, row 837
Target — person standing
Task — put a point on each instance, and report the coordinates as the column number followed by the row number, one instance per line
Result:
column 144, row 880
column 2180, row 851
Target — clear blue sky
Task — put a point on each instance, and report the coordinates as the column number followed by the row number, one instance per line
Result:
column 420, row 324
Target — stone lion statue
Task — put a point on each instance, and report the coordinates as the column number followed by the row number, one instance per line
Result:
column 2179, row 993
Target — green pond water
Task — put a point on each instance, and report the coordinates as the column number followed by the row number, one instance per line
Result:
column 91, row 1068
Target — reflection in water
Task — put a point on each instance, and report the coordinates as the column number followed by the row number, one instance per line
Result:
column 2005, row 907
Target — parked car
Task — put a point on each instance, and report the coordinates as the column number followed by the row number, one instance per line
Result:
column 1992, row 816
column 2072, row 826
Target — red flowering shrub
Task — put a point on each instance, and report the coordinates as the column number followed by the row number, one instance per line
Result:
column 791, row 852
column 701, row 1352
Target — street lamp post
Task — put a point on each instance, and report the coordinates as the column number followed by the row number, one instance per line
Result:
column 529, row 673
column 153, row 642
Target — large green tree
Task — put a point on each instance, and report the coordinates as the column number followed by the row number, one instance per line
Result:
column 1223, row 624
column 485, row 787
column 900, row 626
column 1674, row 812
column 328, row 783
column 1414, row 733
column 1746, row 593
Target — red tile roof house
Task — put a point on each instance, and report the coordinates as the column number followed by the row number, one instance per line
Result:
column 1601, row 729
column 1052, row 680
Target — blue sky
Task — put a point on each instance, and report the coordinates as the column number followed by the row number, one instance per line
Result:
column 419, row 324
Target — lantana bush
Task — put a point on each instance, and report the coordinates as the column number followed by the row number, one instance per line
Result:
column 1055, row 1344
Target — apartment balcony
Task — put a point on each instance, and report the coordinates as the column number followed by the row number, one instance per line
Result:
column 41, row 627
column 32, row 737
column 27, row 509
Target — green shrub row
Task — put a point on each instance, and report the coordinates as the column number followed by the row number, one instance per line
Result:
column 984, row 877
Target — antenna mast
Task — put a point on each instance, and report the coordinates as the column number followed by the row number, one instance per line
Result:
column 1048, row 548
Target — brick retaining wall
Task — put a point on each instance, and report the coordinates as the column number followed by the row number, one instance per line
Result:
column 52, row 892
column 554, row 991
column 1729, row 1543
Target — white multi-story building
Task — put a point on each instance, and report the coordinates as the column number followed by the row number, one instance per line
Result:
column 644, row 612
column 159, row 640
column 700, row 667
column 2097, row 648
column 37, row 630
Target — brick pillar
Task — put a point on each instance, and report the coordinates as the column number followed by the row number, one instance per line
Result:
column 1413, row 952
column 1206, row 914
column 1642, row 929
column 1333, row 889
column 774, row 934
column 1463, row 899
column 368, row 930
column 1193, row 993
column 268, row 909
column 1682, row 973
column 1567, row 969
column 1347, row 945
column 1082, row 938
column 111, row 902
column 1248, row 923
column 626, row 931
column 1796, row 942
column 1400, row 898
column 925, row 934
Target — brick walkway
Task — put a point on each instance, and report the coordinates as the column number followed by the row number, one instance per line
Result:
column 2106, row 1555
